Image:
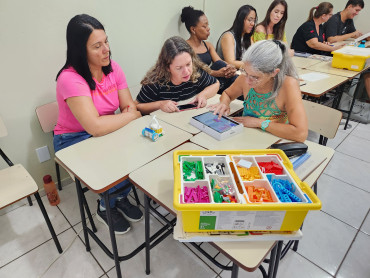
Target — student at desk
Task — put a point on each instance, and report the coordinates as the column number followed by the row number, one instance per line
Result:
column 234, row 42
column 340, row 26
column 310, row 37
column 269, row 84
column 197, row 25
column 177, row 75
column 273, row 26
column 90, row 88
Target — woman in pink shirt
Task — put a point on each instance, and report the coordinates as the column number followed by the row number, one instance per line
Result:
column 90, row 88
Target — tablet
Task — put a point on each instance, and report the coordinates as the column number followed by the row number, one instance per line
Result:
column 218, row 128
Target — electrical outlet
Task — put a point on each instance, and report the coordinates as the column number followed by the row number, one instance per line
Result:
column 43, row 154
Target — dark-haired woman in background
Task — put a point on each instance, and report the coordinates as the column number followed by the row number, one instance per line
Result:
column 234, row 42
column 273, row 26
column 197, row 25
column 310, row 37
column 90, row 88
column 178, row 75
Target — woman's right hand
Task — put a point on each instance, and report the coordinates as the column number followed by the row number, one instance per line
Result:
column 169, row 106
column 220, row 108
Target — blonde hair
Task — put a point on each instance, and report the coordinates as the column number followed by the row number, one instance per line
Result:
column 172, row 47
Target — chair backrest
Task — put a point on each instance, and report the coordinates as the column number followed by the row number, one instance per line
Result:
column 322, row 119
column 48, row 116
column 3, row 130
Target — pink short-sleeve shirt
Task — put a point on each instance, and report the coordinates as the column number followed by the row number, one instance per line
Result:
column 104, row 97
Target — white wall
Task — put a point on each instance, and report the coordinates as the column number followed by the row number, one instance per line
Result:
column 33, row 47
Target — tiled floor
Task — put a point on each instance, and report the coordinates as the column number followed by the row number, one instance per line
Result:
column 336, row 241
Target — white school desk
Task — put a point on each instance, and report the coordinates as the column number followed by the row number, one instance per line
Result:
column 326, row 67
column 102, row 162
column 320, row 87
column 182, row 119
column 350, row 42
column 250, row 138
column 302, row 62
column 158, row 185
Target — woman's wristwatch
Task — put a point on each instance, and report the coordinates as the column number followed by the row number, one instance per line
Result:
column 265, row 124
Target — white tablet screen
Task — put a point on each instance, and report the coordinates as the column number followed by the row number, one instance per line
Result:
column 212, row 121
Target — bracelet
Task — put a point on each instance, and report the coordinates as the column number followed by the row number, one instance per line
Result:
column 265, row 125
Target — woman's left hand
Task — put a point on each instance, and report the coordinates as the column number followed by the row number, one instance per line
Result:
column 249, row 121
column 200, row 100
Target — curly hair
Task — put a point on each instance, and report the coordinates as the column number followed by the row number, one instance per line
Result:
column 159, row 73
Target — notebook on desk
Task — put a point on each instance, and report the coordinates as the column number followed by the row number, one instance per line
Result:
column 309, row 165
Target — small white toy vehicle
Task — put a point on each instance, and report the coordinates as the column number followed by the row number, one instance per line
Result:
column 154, row 131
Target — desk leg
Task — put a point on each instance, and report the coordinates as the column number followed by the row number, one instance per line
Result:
column 277, row 259
column 82, row 212
column 272, row 261
column 235, row 271
column 112, row 235
column 357, row 91
column 147, row 234
column 338, row 96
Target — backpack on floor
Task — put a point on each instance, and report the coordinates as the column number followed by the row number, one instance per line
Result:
column 360, row 112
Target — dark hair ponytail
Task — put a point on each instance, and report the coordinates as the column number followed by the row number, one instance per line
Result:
column 316, row 12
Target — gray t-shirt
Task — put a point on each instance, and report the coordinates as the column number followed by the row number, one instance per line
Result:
column 219, row 48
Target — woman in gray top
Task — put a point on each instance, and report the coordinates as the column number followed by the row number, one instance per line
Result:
column 232, row 43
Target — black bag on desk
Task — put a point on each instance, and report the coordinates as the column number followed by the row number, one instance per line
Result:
column 360, row 112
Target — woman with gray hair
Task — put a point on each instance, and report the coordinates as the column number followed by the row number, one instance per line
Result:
column 270, row 87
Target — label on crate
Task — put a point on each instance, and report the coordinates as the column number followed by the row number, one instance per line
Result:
column 241, row 220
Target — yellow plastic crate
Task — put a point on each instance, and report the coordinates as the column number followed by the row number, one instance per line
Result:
column 244, row 215
column 351, row 58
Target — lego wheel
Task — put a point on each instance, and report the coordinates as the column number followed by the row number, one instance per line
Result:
column 155, row 137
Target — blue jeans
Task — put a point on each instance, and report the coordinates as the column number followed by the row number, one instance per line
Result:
column 65, row 140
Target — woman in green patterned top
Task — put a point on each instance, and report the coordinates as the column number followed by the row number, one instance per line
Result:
column 270, row 87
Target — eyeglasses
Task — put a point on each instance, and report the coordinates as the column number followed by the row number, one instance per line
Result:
column 251, row 20
column 251, row 78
